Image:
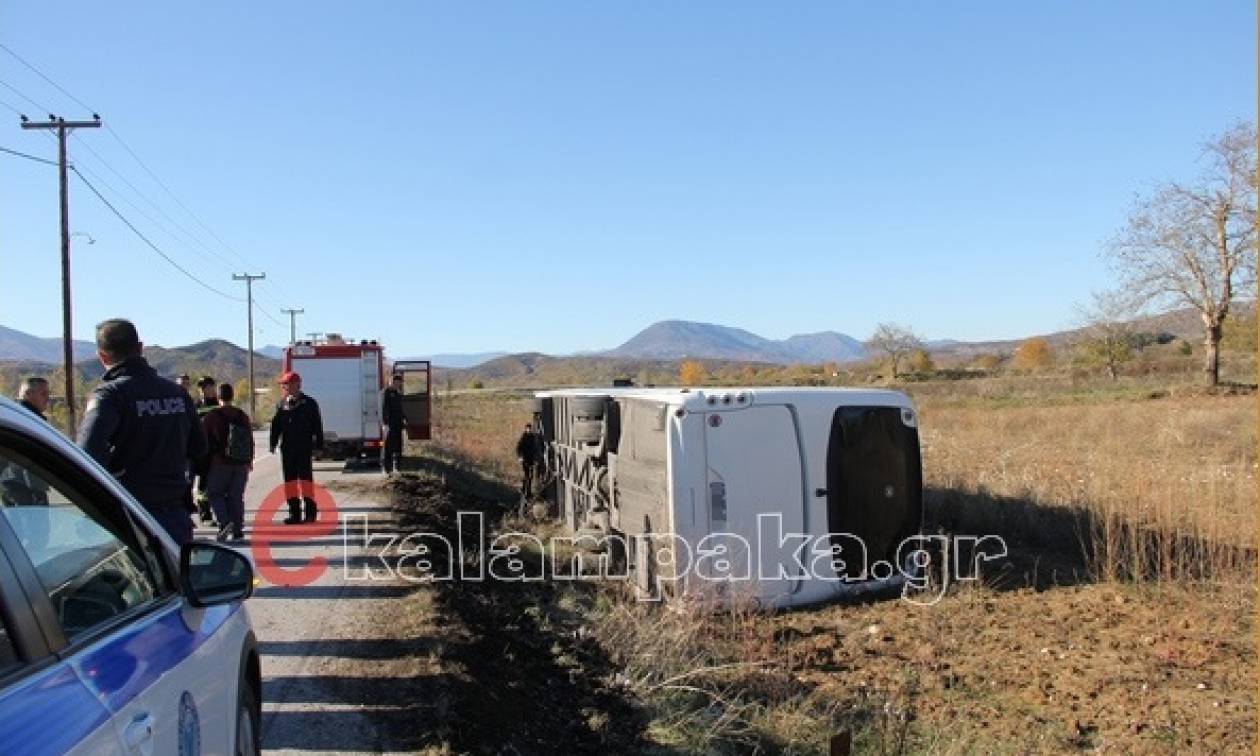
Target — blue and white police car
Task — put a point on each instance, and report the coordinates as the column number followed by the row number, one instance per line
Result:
column 112, row 639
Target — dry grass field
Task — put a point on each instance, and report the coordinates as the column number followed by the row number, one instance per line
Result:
column 1121, row 621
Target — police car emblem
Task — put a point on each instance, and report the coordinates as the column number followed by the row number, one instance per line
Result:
column 189, row 726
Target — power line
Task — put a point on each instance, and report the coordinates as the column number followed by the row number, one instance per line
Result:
column 268, row 283
column 19, row 93
column 101, row 180
column 136, row 157
column 28, row 157
column 171, row 194
column 151, row 245
column 41, row 75
column 188, row 235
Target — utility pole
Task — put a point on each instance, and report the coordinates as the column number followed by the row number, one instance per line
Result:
column 62, row 126
column 249, row 300
column 292, row 322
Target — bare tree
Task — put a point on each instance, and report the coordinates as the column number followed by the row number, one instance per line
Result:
column 1195, row 244
column 895, row 341
column 1108, row 337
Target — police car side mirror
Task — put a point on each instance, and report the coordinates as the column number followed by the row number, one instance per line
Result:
column 210, row 574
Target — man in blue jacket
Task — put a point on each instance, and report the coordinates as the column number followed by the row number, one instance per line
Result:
column 142, row 428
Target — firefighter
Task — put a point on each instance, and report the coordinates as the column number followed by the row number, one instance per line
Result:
column 142, row 428
column 299, row 431
column 393, row 420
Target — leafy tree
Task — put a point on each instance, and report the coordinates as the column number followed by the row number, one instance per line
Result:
column 1195, row 244
column 894, row 342
column 692, row 373
column 1108, row 339
column 986, row 362
column 921, row 362
column 1033, row 354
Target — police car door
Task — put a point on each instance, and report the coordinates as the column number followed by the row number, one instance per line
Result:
column 159, row 667
column 44, row 706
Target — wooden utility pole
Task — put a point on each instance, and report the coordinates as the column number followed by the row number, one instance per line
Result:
column 249, row 304
column 63, row 127
column 292, row 322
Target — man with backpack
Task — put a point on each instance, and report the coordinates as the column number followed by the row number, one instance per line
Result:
column 231, row 439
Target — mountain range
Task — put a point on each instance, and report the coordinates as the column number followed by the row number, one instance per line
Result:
column 682, row 339
column 16, row 345
column 661, row 342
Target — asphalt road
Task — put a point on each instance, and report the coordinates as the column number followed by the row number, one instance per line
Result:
column 307, row 631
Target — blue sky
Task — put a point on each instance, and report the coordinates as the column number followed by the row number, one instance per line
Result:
column 461, row 177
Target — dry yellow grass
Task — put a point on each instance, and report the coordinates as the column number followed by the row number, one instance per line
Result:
column 1169, row 482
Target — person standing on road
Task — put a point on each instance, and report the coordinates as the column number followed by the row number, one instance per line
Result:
column 208, row 401
column 393, row 420
column 230, row 437
column 142, row 428
column 299, row 431
column 529, row 454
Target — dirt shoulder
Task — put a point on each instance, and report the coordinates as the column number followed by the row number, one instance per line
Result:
column 511, row 672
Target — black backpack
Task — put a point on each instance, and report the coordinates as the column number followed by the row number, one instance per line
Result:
column 239, row 446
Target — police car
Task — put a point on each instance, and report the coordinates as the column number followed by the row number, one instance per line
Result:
column 112, row 639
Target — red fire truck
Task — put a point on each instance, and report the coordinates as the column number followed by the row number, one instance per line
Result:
column 346, row 378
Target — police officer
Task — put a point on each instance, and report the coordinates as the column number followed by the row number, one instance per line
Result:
column 142, row 428
column 298, row 430
column 393, row 419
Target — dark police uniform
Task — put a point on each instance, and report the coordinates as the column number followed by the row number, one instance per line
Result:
column 203, row 405
column 298, row 429
column 393, row 419
column 144, row 430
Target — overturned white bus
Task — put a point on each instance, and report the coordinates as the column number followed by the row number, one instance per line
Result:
column 782, row 496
